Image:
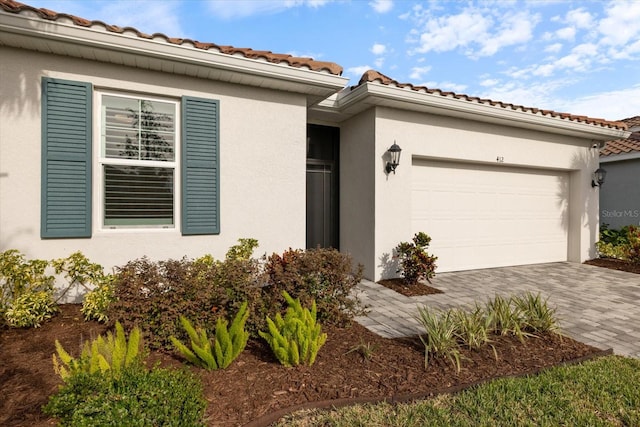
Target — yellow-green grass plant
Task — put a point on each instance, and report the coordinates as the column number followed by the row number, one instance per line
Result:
column 101, row 355
column 506, row 319
column 297, row 337
column 225, row 346
column 536, row 314
column 439, row 338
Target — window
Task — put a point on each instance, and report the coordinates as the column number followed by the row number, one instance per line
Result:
column 138, row 161
column 153, row 155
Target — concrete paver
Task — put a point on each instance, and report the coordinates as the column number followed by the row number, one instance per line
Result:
column 595, row 305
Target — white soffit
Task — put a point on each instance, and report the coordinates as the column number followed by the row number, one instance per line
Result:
column 68, row 39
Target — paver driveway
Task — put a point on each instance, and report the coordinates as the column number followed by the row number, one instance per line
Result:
column 597, row 306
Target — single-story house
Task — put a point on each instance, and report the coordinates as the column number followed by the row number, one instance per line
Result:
column 122, row 144
column 620, row 195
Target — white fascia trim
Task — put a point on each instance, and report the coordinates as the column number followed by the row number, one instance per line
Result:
column 371, row 93
column 160, row 49
column 620, row 157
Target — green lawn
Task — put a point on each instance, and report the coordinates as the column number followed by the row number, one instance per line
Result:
column 602, row 392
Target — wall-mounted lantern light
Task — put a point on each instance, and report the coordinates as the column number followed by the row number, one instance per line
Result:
column 394, row 151
column 598, row 177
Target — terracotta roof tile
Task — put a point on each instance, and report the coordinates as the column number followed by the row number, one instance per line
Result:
column 632, row 121
column 12, row 6
column 372, row 76
column 622, row 146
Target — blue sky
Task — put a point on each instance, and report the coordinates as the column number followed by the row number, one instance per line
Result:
column 581, row 57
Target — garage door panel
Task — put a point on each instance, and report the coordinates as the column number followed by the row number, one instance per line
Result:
column 484, row 216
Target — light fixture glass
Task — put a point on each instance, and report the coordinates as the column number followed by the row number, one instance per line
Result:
column 598, row 177
column 394, row 152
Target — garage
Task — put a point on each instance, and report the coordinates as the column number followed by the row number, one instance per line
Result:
column 482, row 216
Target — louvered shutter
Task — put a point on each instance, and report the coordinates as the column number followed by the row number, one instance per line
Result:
column 66, row 159
column 200, row 166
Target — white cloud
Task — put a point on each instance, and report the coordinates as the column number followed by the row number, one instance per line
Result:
column 378, row 49
column 379, row 62
column 514, row 30
column 621, row 24
column 566, row 33
column 381, row 6
column 358, row 71
column 230, row 9
column 489, row 82
column 580, row 18
column 450, row 32
column 477, row 31
column 417, row 73
column 553, row 48
column 613, row 105
column 145, row 15
column 544, row 70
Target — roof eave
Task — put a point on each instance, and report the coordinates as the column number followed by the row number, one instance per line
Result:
column 369, row 94
column 89, row 43
column 619, row 157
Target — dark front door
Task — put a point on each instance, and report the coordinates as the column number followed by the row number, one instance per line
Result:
column 322, row 186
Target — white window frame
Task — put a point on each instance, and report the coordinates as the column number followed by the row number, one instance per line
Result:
column 101, row 160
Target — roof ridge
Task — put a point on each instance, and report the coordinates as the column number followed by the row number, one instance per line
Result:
column 16, row 7
column 373, row 76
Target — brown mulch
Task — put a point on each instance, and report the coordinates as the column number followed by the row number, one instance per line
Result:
column 615, row 264
column 256, row 385
column 416, row 290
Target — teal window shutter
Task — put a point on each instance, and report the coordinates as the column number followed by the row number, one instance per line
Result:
column 66, row 159
column 200, row 166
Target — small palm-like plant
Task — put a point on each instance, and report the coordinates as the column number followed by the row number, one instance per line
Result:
column 439, row 338
column 224, row 348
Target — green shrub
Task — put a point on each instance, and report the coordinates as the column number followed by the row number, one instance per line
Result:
column 111, row 354
column 160, row 397
column 415, row 263
column 609, row 250
column 614, row 236
column 96, row 302
column 31, row 309
column 242, row 251
column 78, row 271
column 621, row 244
column 296, row 338
column 439, row 337
column 153, row 295
column 227, row 343
column 26, row 291
column 325, row 276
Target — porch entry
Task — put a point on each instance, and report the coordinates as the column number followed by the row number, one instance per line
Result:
column 322, row 186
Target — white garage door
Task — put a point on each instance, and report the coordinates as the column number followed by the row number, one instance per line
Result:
column 489, row 216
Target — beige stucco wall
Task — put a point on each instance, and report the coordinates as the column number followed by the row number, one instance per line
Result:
column 357, row 189
column 262, row 163
column 438, row 137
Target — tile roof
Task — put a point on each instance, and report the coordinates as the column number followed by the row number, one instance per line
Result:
column 375, row 76
column 622, row 146
column 12, row 6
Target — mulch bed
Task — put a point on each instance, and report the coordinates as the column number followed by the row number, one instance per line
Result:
column 255, row 385
column 416, row 290
column 615, row 264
